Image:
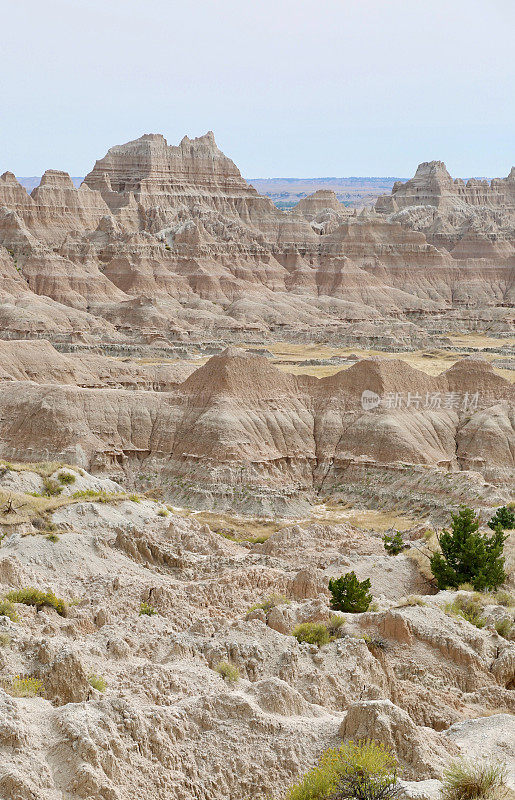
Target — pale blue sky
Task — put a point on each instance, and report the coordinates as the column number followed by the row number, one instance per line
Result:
column 290, row 88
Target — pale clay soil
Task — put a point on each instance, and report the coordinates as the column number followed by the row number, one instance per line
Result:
column 167, row 725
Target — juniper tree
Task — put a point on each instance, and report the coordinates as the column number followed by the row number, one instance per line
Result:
column 350, row 594
column 469, row 556
column 505, row 517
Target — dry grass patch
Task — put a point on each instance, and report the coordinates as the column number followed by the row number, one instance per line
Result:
column 366, row 519
column 42, row 468
column 239, row 529
column 18, row 507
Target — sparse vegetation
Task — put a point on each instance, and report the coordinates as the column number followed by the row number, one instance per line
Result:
column 504, row 627
column 35, row 597
column 229, row 672
column 52, row 537
column 51, row 487
column 312, row 633
column 468, row 556
column 335, row 625
column 24, row 686
column 412, row 600
column 473, row 780
column 270, row 602
column 5, row 640
column 350, row 594
column 66, row 478
column 134, row 498
column 97, row 682
column 99, row 496
column 393, row 543
column 365, row 770
column 505, row 598
column 8, row 610
column 146, row 610
column 375, row 642
column 468, row 608
column 162, row 512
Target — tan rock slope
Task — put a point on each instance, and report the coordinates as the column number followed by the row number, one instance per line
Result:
column 241, row 432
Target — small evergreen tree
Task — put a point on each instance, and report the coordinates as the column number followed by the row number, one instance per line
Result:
column 469, row 556
column 505, row 517
column 350, row 594
column 393, row 544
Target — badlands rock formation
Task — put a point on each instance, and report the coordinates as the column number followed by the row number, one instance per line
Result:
column 112, row 297
column 239, row 432
column 165, row 724
column 161, row 243
column 471, row 220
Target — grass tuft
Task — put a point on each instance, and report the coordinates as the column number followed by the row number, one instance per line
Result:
column 468, row 608
column 467, row 780
column 97, row 682
column 146, row 610
column 229, row 672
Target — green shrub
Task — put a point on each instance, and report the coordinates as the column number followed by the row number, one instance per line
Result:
column 97, row 682
column 504, row 627
column 8, row 610
column 350, row 594
column 473, row 780
column 35, row 597
column 146, row 610
column 505, row 517
column 229, row 672
column 66, row 478
column 135, row 498
column 312, row 633
column 468, row 556
column 52, row 537
column 468, row 608
column 365, row 770
column 51, row 487
column 162, row 512
column 24, row 686
column 393, row 544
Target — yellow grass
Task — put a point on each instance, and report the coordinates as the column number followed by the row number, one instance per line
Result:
column 432, row 362
column 26, row 506
column 366, row 519
column 232, row 526
column 479, row 340
column 43, row 468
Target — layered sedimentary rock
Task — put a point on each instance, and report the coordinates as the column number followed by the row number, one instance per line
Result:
column 164, row 241
column 239, row 422
column 472, row 220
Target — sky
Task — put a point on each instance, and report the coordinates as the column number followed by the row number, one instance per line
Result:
column 291, row 88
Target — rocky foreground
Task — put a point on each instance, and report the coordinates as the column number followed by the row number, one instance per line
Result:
column 135, row 704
